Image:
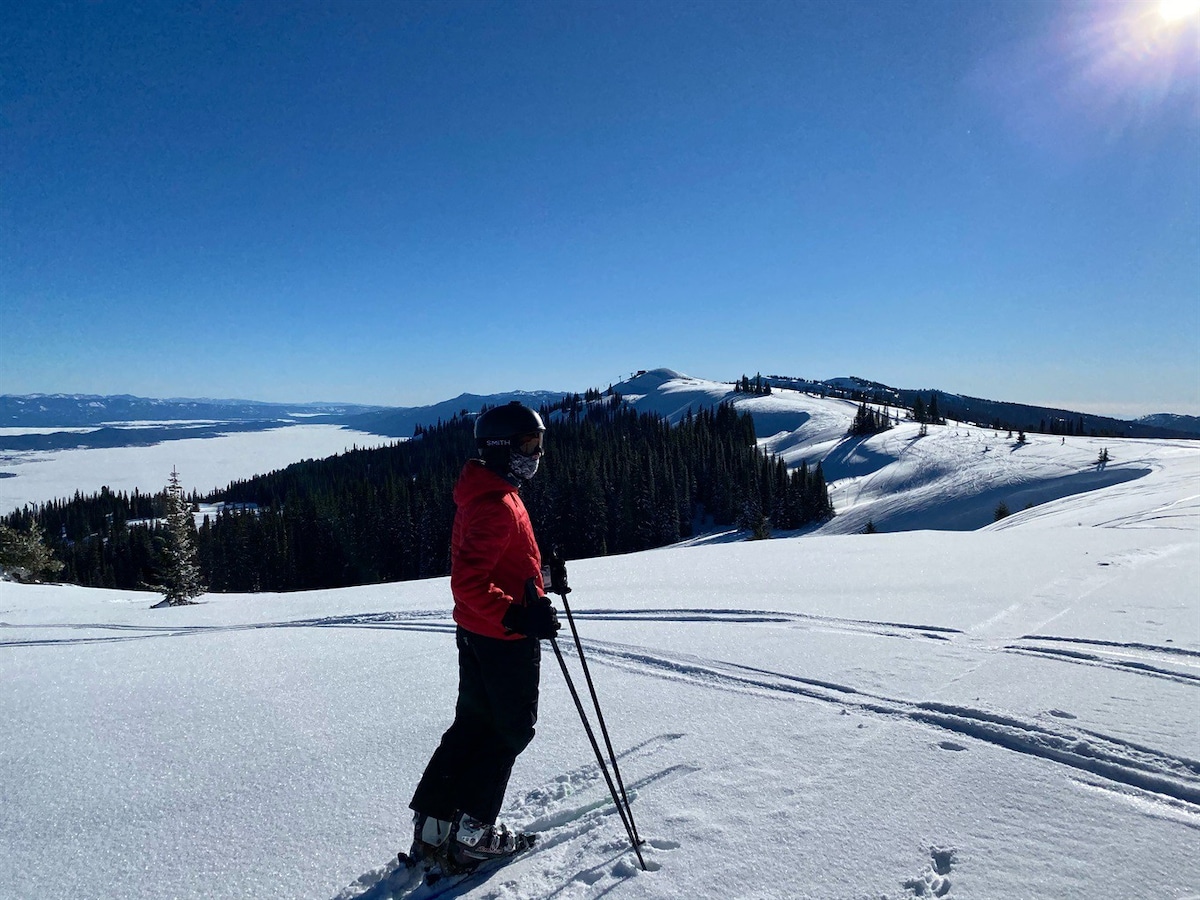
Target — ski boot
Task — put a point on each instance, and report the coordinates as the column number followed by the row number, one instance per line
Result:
column 474, row 842
column 431, row 841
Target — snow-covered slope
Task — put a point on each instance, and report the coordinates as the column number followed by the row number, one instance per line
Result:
column 1003, row 713
column 952, row 478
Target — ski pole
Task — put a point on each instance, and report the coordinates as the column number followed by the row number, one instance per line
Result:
column 599, row 715
column 558, row 585
column 623, row 810
column 587, row 726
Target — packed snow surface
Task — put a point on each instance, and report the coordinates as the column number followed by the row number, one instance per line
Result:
column 994, row 713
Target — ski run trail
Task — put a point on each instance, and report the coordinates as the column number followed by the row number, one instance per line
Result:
column 948, row 708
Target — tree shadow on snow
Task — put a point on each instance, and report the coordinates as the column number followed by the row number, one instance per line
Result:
column 852, row 459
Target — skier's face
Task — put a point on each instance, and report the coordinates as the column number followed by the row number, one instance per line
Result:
column 526, row 454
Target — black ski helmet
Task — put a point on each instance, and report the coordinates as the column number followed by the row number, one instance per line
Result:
column 499, row 429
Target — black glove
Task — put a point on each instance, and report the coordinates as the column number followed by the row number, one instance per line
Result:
column 554, row 575
column 538, row 619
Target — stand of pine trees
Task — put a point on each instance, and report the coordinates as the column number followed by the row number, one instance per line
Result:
column 757, row 385
column 927, row 413
column 613, row 481
column 89, row 535
column 869, row 421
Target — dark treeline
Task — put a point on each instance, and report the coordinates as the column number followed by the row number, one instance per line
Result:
column 1004, row 416
column 612, row 481
column 90, row 536
column 869, row 421
column 757, row 385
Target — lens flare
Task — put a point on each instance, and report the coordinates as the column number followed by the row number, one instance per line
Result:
column 1098, row 73
column 1175, row 10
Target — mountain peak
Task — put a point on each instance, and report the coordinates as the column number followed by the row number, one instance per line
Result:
column 647, row 380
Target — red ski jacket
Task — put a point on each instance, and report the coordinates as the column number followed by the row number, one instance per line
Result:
column 493, row 552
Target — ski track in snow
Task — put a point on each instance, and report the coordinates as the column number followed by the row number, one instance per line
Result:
column 1132, row 766
column 1102, row 661
column 436, row 620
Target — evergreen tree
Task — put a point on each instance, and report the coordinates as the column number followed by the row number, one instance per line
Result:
column 181, row 565
column 761, row 530
column 24, row 556
column 868, row 421
column 919, row 413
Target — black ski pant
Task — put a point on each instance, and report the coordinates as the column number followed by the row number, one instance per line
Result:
column 493, row 723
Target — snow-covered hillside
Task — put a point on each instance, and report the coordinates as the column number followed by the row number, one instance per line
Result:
column 952, row 478
column 1002, row 713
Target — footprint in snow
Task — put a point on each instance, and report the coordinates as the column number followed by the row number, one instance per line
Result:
column 935, row 880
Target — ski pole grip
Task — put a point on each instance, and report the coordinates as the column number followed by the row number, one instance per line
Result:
column 554, row 575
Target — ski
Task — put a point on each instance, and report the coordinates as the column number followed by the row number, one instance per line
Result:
column 420, row 882
column 400, row 879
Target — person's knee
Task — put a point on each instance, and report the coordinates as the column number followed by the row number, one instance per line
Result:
column 517, row 735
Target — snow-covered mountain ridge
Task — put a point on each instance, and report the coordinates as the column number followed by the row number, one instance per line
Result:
column 71, row 410
column 974, row 409
column 951, row 478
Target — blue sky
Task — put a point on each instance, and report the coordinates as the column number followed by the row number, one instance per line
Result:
column 393, row 203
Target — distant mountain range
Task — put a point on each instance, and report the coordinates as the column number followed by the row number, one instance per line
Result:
column 82, row 410
column 1189, row 424
column 123, row 420
column 402, row 421
column 78, row 410
column 172, row 419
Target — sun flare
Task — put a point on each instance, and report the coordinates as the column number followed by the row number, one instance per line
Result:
column 1175, row 10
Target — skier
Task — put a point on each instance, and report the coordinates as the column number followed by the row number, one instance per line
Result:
column 502, row 614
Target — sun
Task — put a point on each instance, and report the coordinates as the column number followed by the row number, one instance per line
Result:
column 1176, row 10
